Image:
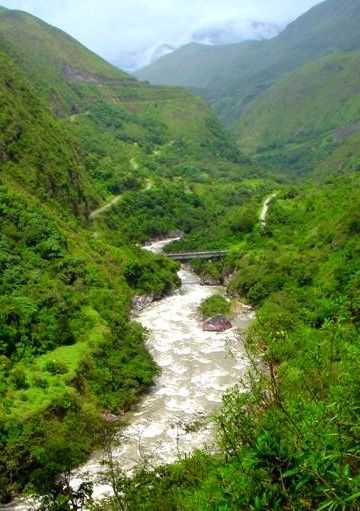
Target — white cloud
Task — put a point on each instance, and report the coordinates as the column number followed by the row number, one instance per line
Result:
column 129, row 31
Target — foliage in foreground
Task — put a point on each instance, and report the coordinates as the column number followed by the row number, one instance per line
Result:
column 289, row 435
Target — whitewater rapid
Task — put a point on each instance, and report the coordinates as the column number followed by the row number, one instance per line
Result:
column 196, row 368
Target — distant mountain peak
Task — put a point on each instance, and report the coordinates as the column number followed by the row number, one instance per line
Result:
column 230, row 76
column 228, row 31
column 161, row 51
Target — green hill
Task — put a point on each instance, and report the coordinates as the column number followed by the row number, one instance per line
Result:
column 74, row 132
column 117, row 118
column 52, row 60
column 231, row 77
column 314, row 111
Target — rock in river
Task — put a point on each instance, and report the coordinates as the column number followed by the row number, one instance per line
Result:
column 217, row 324
column 140, row 303
column 209, row 281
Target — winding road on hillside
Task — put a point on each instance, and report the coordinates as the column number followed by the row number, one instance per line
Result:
column 107, row 206
column 115, row 200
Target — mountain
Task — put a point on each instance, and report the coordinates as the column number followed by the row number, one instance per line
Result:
column 162, row 50
column 52, row 60
column 77, row 133
column 315, row 110
column 88, row 94
column 228, row 31
column 232, row 76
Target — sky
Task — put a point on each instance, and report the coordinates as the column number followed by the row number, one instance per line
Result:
column 130, row 33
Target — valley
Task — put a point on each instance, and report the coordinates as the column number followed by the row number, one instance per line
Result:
column 196, row 368
column 94, row 165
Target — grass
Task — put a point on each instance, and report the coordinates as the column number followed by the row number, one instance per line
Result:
column 51, row 375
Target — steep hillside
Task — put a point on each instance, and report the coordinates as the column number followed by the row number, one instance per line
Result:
column 53, row 60
column 288, row 434
column 230, row 77
column 37, row 154
column 344, row 159
column 314, row 110
column 74, row 132
column 126, row 126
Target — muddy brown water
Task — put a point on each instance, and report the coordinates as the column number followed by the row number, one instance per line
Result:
column 196, row 368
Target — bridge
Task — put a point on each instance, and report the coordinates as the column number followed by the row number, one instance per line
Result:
column 187, row 256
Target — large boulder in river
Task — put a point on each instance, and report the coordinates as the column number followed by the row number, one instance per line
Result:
column 217, row 324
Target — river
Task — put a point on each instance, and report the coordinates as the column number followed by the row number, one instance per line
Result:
column 196, row 368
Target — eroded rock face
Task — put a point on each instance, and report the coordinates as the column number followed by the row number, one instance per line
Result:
column 110, row 417
column 141, row 302
column 217, row 324
column 75, row 74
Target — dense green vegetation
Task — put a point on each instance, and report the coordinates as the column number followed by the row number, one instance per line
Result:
column 65, row 299
column 35, row 150
column 214, row 305
column 291, row 441
column 75, row 133
column 211, row 215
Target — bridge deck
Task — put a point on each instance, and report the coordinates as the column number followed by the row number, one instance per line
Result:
column 186, row 256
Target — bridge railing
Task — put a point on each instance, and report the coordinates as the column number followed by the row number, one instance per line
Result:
column 209, row 254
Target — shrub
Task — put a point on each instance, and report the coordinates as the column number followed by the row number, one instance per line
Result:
column 214, row 305
column 55, row 367
column 18, row 378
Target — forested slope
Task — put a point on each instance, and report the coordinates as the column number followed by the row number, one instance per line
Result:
column 74, row 132
column 315, row 110
column 289, row 433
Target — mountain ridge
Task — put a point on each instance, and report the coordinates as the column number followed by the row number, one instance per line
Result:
column 231, row 78
column 74, row 132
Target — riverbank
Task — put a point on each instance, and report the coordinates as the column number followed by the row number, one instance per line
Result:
column 196, row 369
